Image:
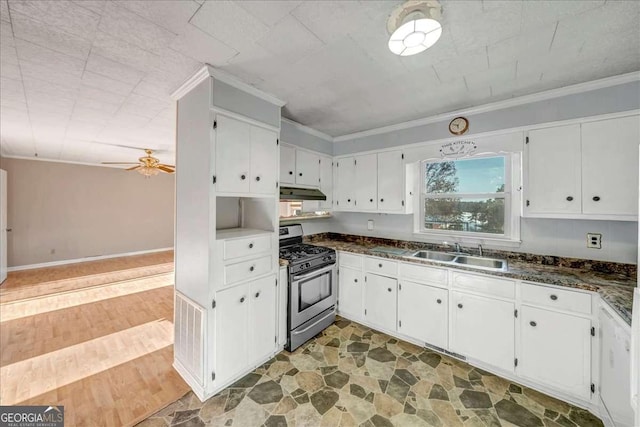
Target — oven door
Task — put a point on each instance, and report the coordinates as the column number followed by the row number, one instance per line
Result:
column 311, row 294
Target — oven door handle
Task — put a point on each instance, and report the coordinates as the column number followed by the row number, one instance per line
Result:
column 313, row 273
column 332, row 312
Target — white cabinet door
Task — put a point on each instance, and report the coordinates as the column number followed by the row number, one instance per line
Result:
column 423, row 313
column 610, row 166
column 232, row 326
column 553, row 184
column 264, row 160
column 380, row 301
column 345, row 188
column 262, row 322
column 287, row 164
column 233, row 155
column 483, row 329
column 350, row 293
column 366, row 182
column 326, row 182
column 556, row 350
column 307, row 168
column 391, row 179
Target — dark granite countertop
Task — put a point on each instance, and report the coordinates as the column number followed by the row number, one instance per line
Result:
column 614, row 282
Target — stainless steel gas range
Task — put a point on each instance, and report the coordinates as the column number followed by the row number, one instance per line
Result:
column 313, row 286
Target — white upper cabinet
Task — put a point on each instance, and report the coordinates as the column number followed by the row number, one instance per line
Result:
column 380, row 301
column 556, row 350
column 287, row 164
column 366, row 182
column 583, row 171
column 246, row 157
column 483, row 329
column 326, row 182
column 307, row 168
column 346, row 189
column 391, row 180
column 610, row 166
column 553, row 165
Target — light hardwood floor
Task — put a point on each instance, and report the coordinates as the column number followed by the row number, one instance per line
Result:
column 96, row 337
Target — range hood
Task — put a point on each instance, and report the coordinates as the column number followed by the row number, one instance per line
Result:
column 294, row 193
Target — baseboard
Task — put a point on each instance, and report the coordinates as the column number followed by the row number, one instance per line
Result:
column 91, row 258
column 197, row 388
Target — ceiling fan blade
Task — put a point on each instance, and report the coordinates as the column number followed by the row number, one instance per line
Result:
column 166, row 169
column 133, row 168
column 119, row 163
column 167, row 166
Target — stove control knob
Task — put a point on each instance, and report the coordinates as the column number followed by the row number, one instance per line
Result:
column 308, row 265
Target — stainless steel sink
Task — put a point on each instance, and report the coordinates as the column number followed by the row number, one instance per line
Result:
column 480, row 263
column 434, row 256
column 483, row 263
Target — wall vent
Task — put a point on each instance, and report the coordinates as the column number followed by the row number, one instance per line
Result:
column 189, row 325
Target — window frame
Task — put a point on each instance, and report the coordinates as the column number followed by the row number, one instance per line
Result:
column 511, row 196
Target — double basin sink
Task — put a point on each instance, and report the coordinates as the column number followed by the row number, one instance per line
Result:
column 481, row 263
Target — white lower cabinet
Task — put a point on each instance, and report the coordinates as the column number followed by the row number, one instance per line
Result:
column 556, row 350
column 380, row 301
column 350, row 293
column 423, row 313
column 245, row 327
column 483, row 329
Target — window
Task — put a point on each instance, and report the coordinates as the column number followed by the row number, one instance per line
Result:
column 468, row 197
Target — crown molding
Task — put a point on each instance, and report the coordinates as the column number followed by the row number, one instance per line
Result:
column 499, row 105
column 308, row 130
column 209, row 71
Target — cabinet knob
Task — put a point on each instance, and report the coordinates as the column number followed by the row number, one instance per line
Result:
column 252, row 268
column 596, row 198
column 439, row 301
column 569, row 198
column 382, row 200
column 532, row 323
column 241, row 300
column 371, row 200
column 554, row 297
column 250, row 245
column 349, row 200
column 300, row 174
column 459, row 305
column 290, row 172
column 243, row 177
column 257, row 294
column 257, row 178
column 355, row 280
column 389, row 289
column 380, row 265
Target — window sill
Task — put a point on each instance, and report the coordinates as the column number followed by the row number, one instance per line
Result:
column 471, row 240
column 291, row 219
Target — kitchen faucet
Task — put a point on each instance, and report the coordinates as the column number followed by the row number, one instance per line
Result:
column 480, row 250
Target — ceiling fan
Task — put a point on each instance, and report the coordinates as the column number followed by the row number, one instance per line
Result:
column 147, row 165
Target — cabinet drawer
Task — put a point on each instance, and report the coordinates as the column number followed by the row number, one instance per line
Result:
column 238, row 248
column 381, row 266
column 350, row 260
column 560, row 299
column 247, row 269
column 503, row 288
column 423, row 274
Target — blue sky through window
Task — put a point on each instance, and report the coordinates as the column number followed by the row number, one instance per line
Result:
column 482, row 175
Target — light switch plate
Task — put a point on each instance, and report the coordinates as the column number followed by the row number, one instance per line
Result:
column 370, row 225
column 594, row 240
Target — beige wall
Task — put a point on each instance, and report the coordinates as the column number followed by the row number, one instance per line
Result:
column 60, row 211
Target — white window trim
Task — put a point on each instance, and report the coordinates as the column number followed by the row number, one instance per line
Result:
column 513, row 206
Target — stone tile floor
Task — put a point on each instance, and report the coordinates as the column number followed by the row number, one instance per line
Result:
column 351, row 375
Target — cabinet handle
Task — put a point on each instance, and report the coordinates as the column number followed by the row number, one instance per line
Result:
column 570, row 198
column 439, row 301
column 252, row 268
column 243, row 177
column 257, row 178
column 371, row 200
column 241, row 300
column 459, row 305
column 355, row 280
column 300, row 174
column 380, row 265
column 554, row 297
column 596, row 198
column 257, row 294
column 250, row 245
column 389, row 289
column 532, row 323
column 290, row 172
column 382, row 200
column 349, row 200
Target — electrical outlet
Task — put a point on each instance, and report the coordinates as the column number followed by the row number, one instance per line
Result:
column 370, row 225
column 594, row 240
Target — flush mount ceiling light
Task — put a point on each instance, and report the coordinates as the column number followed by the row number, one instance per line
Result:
column 414, row 26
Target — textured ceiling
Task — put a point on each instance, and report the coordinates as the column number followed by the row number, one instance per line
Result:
column 81, row 79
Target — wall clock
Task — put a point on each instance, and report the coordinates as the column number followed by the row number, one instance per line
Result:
column 459, row 125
